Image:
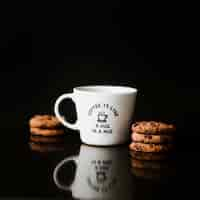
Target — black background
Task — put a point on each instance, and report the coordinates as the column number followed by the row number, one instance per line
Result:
column 47, row 49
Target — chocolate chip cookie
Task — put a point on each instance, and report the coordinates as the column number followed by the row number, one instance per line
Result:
column 138, row 146
column 152, row 128
column 44, row 122
column 46, row 132
column 155, row 139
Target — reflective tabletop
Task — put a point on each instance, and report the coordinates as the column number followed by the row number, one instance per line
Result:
column 64, row 168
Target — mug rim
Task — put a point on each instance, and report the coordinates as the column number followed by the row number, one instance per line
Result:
column 106, row 89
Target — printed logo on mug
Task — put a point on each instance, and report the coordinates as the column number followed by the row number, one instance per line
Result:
column 104, row 113
column 101, row 173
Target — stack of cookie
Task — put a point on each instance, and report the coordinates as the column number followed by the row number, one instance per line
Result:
column 150, row 147
column 46, row 132
column 45, row 125
column 151, row 136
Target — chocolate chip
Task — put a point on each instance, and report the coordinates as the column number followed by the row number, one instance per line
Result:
column 149, row 136
column 138, row 148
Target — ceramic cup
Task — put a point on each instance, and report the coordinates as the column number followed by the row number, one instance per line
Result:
column 104, row 113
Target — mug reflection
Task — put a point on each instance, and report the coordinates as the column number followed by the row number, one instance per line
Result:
column 101, row 173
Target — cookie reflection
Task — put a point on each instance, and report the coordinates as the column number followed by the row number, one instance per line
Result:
column 48, row 140
column 101, row 173
column 46, row 144
column 154, row 166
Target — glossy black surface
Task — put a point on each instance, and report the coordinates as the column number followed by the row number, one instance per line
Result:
column 27, row 168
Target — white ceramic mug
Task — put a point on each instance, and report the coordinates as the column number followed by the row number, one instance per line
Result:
column 101, row 173
column 104, row 113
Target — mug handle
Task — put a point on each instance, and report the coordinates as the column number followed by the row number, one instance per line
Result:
column 58, row 115
column 55, row 173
